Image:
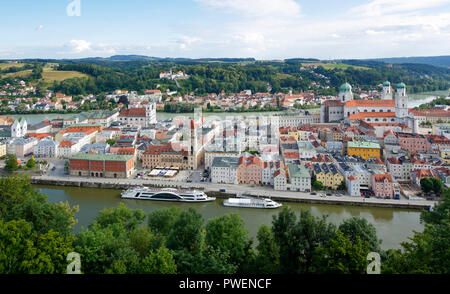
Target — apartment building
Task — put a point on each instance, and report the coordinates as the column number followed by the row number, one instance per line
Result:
column 224, row 170
column 365, row 150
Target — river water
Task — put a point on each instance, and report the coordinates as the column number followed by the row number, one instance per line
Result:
column 393, row 225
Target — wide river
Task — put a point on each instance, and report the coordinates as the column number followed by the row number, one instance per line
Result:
column 393, row 225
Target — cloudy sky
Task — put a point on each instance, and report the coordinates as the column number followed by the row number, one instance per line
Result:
column 263, row 29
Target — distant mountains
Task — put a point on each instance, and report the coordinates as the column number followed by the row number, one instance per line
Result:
column 142, row 57
column 440, row 61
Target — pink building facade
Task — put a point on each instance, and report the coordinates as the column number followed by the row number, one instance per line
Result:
column 413, row 142
column 382, row 185
column 249, row 170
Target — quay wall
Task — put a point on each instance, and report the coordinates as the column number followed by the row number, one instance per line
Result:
column 372, row 202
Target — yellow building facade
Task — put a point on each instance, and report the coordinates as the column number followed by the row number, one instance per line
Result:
column 328, row 175
column 364, row 149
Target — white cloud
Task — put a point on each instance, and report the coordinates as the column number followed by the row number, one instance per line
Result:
column 380, row 7
column 258, row 8
column 186, row 42
column 374, row 33
column 79, row 46
column 40, row 28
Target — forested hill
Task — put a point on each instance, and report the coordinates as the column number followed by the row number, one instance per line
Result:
column 137, row 73
column 441, row 61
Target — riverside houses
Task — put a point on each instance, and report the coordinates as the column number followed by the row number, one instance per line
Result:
column 382, row 185
column 328, row 175
column 299, row 178
column 249, row 170
column 101, row 165
column 224, row 170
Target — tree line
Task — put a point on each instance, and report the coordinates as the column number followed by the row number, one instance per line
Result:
column 257, row 76
column 36, row 237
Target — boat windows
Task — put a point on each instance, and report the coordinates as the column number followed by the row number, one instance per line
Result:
column 167, row 196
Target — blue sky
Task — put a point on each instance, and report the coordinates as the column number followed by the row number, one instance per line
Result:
column 264, row 29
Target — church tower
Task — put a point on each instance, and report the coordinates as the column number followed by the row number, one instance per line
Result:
column 193, row 148
column 387, row 91
column 150, row 113
column 401, row 101
column 345, row 93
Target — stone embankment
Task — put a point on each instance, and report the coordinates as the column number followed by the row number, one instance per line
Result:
column 231, row 190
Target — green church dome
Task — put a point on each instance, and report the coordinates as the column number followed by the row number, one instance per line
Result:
column 401, row 86
column 346, row 87
column 386, row 84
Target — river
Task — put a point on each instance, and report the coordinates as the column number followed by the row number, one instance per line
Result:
column 393, row 225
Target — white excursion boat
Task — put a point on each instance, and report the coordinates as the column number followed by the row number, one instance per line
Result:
column 251, row 202
column 166, row 194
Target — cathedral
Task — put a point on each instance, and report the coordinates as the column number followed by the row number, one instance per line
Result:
column 386, row 110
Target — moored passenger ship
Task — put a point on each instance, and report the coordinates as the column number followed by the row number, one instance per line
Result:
column 251, row 202
column 166, row 194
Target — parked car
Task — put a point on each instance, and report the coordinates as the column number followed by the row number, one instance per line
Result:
column 313, row 193
column 223, row 190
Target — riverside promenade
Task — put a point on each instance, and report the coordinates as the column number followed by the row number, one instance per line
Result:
column 230, row 191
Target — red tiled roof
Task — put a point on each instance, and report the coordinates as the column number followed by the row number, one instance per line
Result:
column 431, row 113
column 249, row 161
column 363, row 115
column 370, row 103
column 66, row 144
column 333, row 103
column 39, row 136
column 133, row 112
column 393, row 160
column 382, row 177
column 280, row 171
column 423, row 173
column 291, row 155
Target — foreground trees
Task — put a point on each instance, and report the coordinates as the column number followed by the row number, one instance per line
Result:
column 36, row 237
column 428, row 250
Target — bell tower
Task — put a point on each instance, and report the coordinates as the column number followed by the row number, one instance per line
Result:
column 401, row 101
column 387, row 91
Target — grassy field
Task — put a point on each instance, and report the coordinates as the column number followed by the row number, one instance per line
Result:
column 9, row 65
column 21, row 74
column 340, row 66
column 49, row 74
column 283, row 76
